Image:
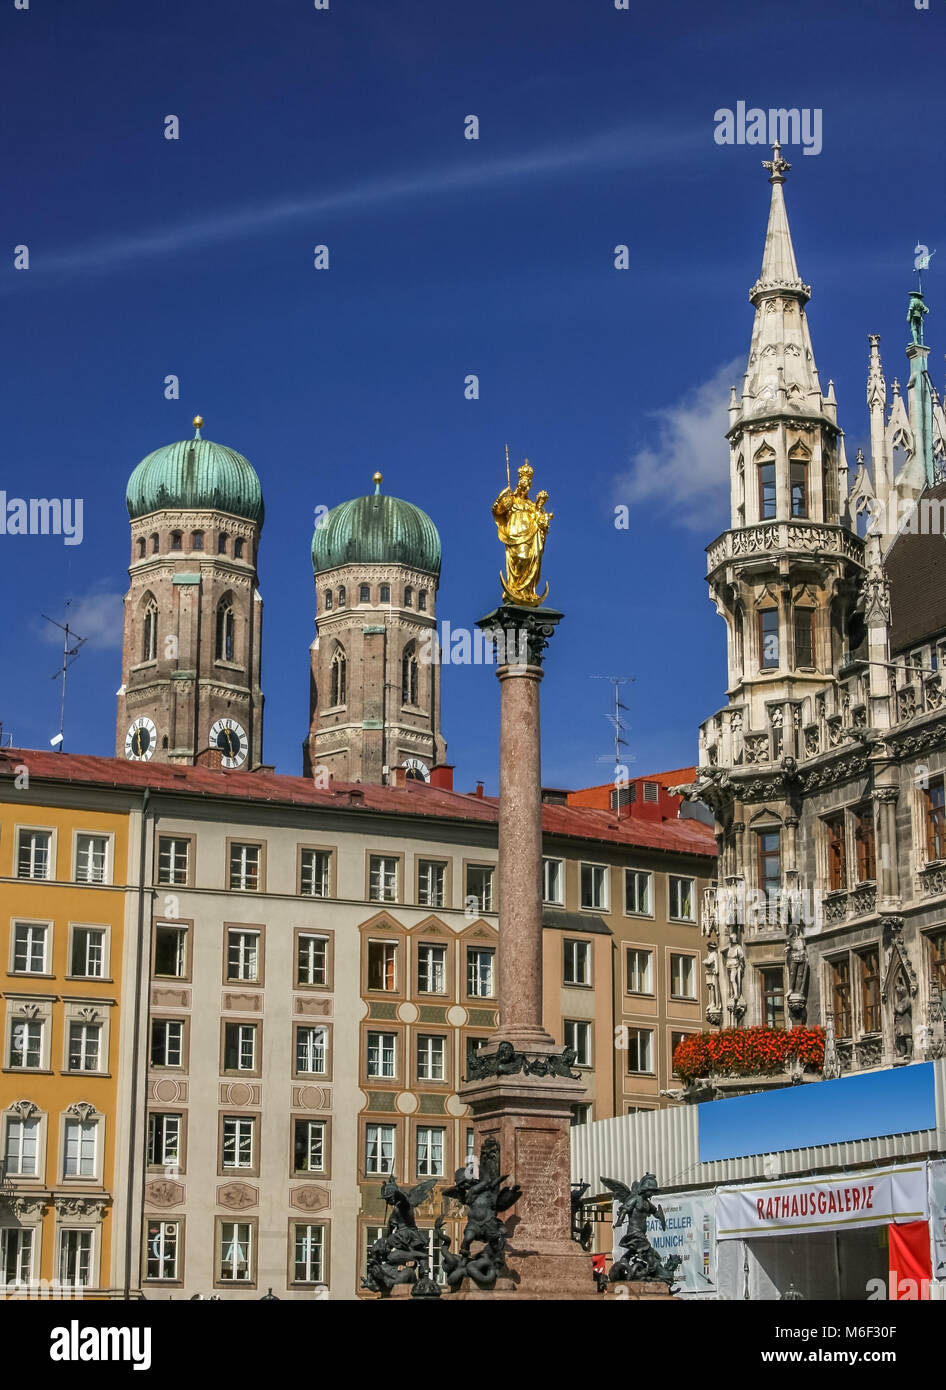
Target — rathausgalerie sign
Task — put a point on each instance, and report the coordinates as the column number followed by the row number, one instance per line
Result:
column 858, row 1199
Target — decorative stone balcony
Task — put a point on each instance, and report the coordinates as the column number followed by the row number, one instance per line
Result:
column 771, row 537
column 931, row 881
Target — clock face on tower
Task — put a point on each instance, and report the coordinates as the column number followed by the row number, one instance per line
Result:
column 141, row 740
column 416, row 769
column 231, row 740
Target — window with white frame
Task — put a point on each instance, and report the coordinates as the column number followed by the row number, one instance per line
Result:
column 681, row 898
column 312, row 961
column 577, row 962
column 431, row 1052
column 316, row 867
column 479, row 886
column 243, row 954
column 88, row 953
column 682, row 976
column 16, row 1255
column 578, row 1036
column 85, row 1046
column 430, row 1151
column 239, row 1135
column 162, row 1239
column 21, row 1147
column 381, row 1054
column 92, row 859
column 34, row 854
column 308, row 1146
column 170, row 950
column 553, row 878
column 379, row 1148
column 637, row 893
column 308, row 1253
column 382, row 878
column 312, row 1051
column 26, row 1043
column 480, row 982
column 167, row 1042
column 431, row 968
column 173, row 856
column 594, row 886
column 80, row 1143
column 581, row 1115
column 164, row 1139
column 382, row 962
column 30, row 941
column 236, row 1252
column 239, row 1046
column 245, row 867
column 469, row 1145
column 75, row 1258
column 640, row 971
column 431, row 877
column 640, row 1050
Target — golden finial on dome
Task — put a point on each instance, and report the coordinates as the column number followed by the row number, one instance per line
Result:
column 377, row 479
column 198, row 423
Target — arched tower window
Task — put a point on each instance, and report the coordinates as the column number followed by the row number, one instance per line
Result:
column 175, row 540
column 222, row 545
column 409, row 675
column 197, row 540
column 155, row 543
column 238, row 548
column 342, row 598
column 422, row 600
column 364, row 593
column 339, row 681
column 149, row 633
column 385, row 593
column 327, row 601
column 408, row 596
column 225, row 631
column 140, row 546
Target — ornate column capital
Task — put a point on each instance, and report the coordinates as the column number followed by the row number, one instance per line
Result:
column 520, row 635
column 884, row 795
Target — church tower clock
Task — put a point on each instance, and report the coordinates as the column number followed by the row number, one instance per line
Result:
column 193, row 612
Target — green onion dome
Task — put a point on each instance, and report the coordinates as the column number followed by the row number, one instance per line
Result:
column 195, row 473
column 376, row 529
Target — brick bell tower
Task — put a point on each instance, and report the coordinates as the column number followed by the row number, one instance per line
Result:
column 193, row 612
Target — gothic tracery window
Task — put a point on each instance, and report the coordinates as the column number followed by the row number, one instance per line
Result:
column 149, row 640
column 409, row 675
column 225, row 631
column 339, row 678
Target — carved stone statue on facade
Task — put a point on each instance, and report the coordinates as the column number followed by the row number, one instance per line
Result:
column 736, row 973
column 484, row 1198
column 903, row 1020
column 711, row 966
column 640, row 1260
column 798, row 971
column 401, row 1254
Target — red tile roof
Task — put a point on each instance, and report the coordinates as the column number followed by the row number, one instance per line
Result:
column 413, row 799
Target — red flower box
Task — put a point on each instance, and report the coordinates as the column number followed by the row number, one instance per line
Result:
column 747, row 1051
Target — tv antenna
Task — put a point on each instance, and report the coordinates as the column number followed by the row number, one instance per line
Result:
column 69, row 655
column 617, row 721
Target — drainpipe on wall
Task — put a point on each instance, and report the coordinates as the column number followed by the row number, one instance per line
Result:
column 136, row 1061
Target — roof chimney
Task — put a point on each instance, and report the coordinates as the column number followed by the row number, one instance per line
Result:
column 400, row 777
column 356, row 797
column 442, row 776
column 479, row 789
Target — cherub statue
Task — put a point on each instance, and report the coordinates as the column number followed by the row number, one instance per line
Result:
column 401, row 1255
column 484, row 1198
column 640, row 1260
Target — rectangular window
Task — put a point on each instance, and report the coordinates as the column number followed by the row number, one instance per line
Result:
column 91, row 858
column 75, row 1258
column 841, row 997
column 769, row 863
column 16, row 1256
column 431, row 1064
column 640, row 971
column 382, row 959
column 581, row 1115
column 430, row 1151
column 236, row 1252
column 682, row 898
column 26, row 1043
column 379, row 1148
column 578, row 1036
column 164, row 1140
column 34, row 859
column 640, row 1050
column 308, row 1254
column 381, row 1054
column 935, row 817
column 239, row 1046
column 837, row 852
column 161, row 1249
column 637, row 897
column 479, row 887
column 88, row 953
column 238, row 1141
column 85, row 1046
column 682, row 976
column 173, row 855
column 312, row 1051
column 552, row 881
column 312, row 963
column 864, row 845
column 382, row 878
column 316, row 867
column 242, row 954
column 21, row 1150
column 167, row 1042
column 431, row 876
column 766, row 491
column 804, row 623
column 431, row 969
column 799, row 484
column 170, row 950
column 479, row 972
column 469, row 1146
column 577, row 964
column 594, row 886
column 870, row 990
column 773, row 997
column 79, row 1148
column 308, row 1146
column 768, row 639
column 938, row 959
column 245, row 868
column 29, row 947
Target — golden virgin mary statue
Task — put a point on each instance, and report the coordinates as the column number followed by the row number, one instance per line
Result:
column 522, row 525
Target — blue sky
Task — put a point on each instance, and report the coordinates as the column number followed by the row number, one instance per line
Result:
column 299, row 127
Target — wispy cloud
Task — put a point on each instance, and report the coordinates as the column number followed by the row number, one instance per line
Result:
column 627, row 147
column 683, row 473
column 97, row 616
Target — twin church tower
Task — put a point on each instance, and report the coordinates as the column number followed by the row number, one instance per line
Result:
column 192, row 648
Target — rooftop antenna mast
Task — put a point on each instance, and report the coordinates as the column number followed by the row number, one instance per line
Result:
column 617, row 722
column 69, row 655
